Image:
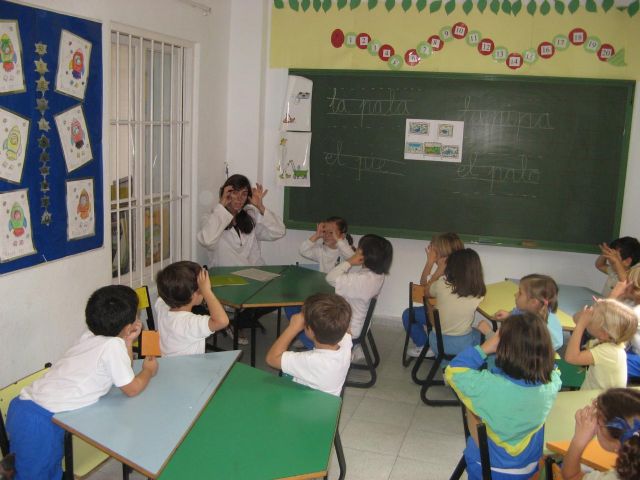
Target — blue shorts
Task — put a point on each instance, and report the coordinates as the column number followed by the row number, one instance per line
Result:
column 37, row 442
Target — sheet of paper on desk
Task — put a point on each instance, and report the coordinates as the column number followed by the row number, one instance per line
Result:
column 223, row 280
column 256, row 274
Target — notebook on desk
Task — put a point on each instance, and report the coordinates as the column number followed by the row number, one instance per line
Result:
column 226, row 280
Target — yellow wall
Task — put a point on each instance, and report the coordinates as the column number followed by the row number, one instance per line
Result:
column 301, row 39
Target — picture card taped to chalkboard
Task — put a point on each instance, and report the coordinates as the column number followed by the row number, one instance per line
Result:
column 435, row 140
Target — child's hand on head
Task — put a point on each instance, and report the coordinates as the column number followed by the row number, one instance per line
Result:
column 442, row 263
column 586, row 425
column 490, row 346
column 204, row 281
column 151, row 364
column 297, row 322
column 611, row 254
column 583, row 317
column 501, row 315
column 357, row 258
column 133, row 332
column 432, row 253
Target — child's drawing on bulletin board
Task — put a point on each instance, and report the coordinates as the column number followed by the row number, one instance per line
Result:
column 11, row 75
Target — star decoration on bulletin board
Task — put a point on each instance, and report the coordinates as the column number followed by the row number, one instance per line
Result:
column 43, row 142
column 42, row 85
column 43, row 125
column 41, row 48
column 44, row 157
column 41, row 67
column 46, row 218
column 42, row 105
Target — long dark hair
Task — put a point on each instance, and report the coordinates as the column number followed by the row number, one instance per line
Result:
column 244, row 221
column 464, row 273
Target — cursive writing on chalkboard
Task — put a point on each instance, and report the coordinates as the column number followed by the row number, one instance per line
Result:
column 362, row 107
column 494, row 174
column 505, row 118
column 363, row 163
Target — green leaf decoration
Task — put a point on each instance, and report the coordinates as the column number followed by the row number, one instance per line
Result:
column 559, row 6
column 420, row 4
column 618, row 59
column 494, row 6
column 305, row 4
column 574, row 5
column 389, row 4
column 406, row 5
column 317, row 4
column 632, row 9
column 506, row 6
column 278, row 3
column 545, row 7
column 607, row 4
column 482, row 4
column 467, row 6
column 591, row 6
column 354, row 4
column 450, row 6
column 326, row 5
column 293, row 4
column 516, row 7
column 531, row 7
column 435, row 6
column 341, row 4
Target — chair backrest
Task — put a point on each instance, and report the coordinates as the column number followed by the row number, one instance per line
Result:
column 367, row 321
column 434, row 319
column 417, row 293
column 483, row 442
column 7, row 394
column 144, row 302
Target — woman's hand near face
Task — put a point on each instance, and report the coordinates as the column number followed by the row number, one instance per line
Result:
column 257, row 195
column 225, row 198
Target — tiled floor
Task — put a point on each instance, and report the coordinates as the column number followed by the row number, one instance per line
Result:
column 387, row 432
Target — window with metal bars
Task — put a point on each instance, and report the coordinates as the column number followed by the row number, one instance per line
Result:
column 150, row 153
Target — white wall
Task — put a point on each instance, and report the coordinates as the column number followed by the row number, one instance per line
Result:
column 498, row 262
column 42, row 308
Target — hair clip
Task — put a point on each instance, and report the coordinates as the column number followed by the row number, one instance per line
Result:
column 627, row 430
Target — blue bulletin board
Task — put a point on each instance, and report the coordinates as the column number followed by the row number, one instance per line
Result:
column 51, row 188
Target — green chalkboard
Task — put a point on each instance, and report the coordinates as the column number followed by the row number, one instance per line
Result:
column 542, row 162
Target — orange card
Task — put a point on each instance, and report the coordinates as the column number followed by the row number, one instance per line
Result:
column 150, row 343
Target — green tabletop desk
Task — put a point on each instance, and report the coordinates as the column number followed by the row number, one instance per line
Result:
column 571, row 298
column 259, row 426
column 293, row 285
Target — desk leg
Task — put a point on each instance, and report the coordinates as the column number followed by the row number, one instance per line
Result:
column 68, row 456
column 236, row 319
column 253, row 343
column 278, row 324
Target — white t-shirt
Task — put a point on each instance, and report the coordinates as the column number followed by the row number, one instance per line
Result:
column 635, row 341
column 181, row 333
column 230, row 248
column 609, row 369
column 84, row 374
column 612, row 279
column 456, row 312
column 327, row 257
column 320, row 368
column 357, row 288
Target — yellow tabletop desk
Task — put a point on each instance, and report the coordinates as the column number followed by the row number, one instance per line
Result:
column 501, row 296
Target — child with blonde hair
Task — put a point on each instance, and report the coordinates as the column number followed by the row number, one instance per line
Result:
column 611, row 324
column 536, row 294
column 628, row 292
column 614, row 418
column 438, row 250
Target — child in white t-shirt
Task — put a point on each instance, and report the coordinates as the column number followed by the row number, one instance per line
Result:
column 325, row 320
column 182, row 286
column 99, row 359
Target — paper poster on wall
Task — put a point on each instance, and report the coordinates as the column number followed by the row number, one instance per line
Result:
column 81, row 216
column 296, row 114
column 11, row 74
column 74, row 57
column 72, row 128
column 293, row 168
column 434, row 140
column 14, row 133
column 15, row 224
